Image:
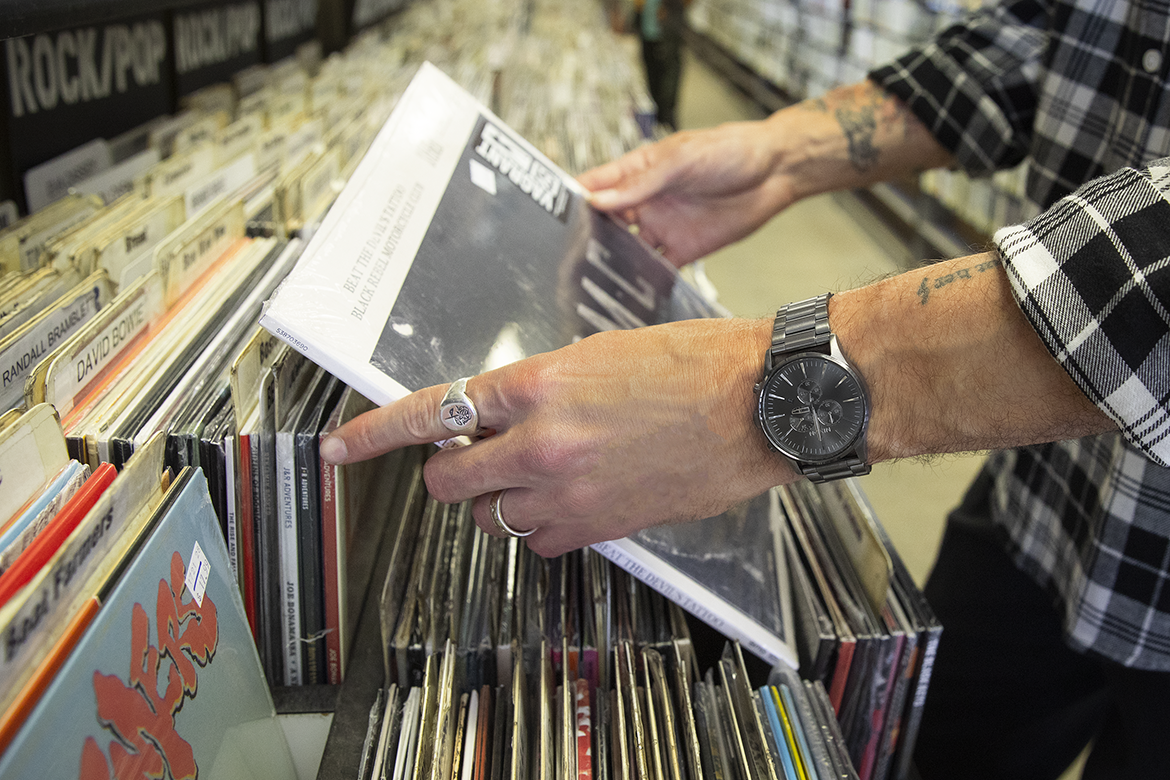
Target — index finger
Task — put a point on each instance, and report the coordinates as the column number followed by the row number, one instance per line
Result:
column 413, row 419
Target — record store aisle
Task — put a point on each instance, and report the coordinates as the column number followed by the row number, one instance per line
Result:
column 826, row 243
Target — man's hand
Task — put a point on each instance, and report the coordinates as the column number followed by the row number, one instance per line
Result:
column 696, row 191
column 620, row 431
column 628, row 429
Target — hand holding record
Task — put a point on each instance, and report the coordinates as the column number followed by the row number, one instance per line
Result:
column 594, row 441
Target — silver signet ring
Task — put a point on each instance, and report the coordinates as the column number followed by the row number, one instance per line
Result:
column 457, row 412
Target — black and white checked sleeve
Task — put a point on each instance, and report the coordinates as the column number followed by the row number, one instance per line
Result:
column 1092, row 275
column 975, row 85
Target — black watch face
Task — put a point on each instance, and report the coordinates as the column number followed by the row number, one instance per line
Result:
column 812, row 408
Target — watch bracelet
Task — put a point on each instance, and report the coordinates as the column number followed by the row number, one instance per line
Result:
column 853, row 467
column 801, row 325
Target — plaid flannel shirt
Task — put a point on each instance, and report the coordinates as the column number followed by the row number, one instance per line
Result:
column 1078, row 89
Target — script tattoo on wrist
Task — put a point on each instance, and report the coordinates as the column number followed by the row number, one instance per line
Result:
column 958, row 274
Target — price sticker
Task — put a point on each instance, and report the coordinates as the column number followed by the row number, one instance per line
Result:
column 197, row 572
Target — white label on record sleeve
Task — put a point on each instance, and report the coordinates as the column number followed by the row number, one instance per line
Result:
column 198, row 569
column 483, row 177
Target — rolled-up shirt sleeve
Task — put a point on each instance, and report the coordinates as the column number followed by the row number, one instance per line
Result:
column 975, row 85
column 1092, row 275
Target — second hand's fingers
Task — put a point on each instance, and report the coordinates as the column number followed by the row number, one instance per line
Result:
column 413, row 419
column 520, row 509
column 625, row 182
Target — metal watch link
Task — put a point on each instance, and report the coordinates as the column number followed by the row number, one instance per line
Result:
column 811, row 403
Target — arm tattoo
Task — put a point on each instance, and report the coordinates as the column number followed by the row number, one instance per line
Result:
column 859, row 127
column 939, row 282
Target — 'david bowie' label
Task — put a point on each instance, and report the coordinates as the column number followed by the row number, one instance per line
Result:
column 19, row 358
column 72, row 374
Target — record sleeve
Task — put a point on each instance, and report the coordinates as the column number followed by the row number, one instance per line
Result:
column 535, row 268
column 729, row 571
column 50, row 503
column 309, row 532
column 104, row 693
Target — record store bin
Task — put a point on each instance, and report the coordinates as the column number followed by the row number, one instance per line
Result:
column 182, row 576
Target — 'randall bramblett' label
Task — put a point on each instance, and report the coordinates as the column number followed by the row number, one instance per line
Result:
column 19, row 357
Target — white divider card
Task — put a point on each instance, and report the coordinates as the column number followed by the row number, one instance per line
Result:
column 32, row 451
column 120, row 178
column 126, row 251
column 22, row 244
column 286, row 106
column 200, row 133
column 237, row 138
column 178, row 173
column 301, row 141
column 270, row 147
column 186, row 255
column 225, row 181
column 52, row 180
column 317, row 185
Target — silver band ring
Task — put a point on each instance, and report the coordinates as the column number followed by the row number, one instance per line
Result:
column 498, row 517
column 457, row 412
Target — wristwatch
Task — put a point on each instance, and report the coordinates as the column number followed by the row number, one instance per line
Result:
column 812, row 404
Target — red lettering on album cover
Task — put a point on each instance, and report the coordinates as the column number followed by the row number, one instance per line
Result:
column 146, row 743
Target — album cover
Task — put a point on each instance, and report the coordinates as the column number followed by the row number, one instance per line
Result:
column 166, row 675
column 457, row 247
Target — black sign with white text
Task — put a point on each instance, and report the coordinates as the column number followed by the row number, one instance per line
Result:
column 213, row 42
column 67, row 87
column 288, row 24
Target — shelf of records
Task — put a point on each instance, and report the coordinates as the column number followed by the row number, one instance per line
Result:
column 484, row 659
column 803, row 48
column 494, row 662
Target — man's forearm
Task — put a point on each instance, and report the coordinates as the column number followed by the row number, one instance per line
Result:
column 851, row 137
column 953, row 365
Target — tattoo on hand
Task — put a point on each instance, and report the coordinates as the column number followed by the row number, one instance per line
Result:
column 939, row 282
column 859, row 127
